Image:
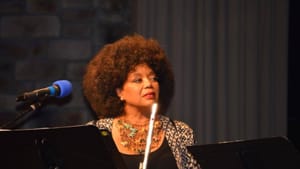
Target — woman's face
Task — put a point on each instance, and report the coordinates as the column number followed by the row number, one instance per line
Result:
column 141, row 89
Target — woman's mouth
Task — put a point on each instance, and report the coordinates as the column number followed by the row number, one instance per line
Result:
column 150, row 95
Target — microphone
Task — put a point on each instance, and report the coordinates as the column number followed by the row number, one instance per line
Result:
column 59, row 89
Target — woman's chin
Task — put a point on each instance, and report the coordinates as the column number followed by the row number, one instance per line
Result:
column 150, row 102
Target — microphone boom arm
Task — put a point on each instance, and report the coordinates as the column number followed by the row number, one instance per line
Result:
column 16, row 121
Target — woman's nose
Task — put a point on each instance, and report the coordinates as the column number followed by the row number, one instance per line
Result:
column 148, row 82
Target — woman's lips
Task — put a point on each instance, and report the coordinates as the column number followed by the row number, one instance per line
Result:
column 150, row 95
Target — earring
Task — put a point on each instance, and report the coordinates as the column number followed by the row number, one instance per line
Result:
column 121, row 98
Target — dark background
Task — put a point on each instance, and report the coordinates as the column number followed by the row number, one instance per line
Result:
column 293, row 74
column 33, row 58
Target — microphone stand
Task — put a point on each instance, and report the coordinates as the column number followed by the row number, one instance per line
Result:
column 143, row 165
column 16, row 121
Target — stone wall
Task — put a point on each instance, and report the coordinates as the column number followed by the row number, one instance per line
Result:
column 42, row 41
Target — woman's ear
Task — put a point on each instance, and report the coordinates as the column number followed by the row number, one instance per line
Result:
column 119, row 91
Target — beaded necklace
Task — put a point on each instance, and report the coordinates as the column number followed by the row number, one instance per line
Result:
column 133, row 136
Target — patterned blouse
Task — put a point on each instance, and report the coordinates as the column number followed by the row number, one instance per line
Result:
column 178, row 134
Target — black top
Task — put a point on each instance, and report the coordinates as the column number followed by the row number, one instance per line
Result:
column 162, row 158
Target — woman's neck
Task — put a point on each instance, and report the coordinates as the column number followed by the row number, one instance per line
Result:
column 136, row 116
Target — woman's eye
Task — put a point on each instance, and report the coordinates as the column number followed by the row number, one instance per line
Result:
column 137, row 80
column 154, row 78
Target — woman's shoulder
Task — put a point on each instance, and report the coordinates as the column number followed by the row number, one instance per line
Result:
column 179, row 125
column 179, row 129
column 104, row 123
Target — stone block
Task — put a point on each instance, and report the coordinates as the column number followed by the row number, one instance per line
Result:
column 23, row 49
column 12, row 6
column 5, row 68
column 69, row 49
column 75, row 71
column 7, row 86
column 42, row 6
column 76, row 30
column 39, row 70
column 77, row 3
column 12, row 50
column 79, row 16
column 7, row 83
column 8, row 103
column 29, row 26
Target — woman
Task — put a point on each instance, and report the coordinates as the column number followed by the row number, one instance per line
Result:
column 121, row 83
